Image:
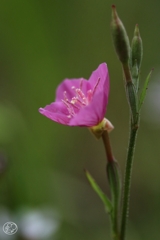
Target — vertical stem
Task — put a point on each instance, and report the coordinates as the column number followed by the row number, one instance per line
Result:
column 127, row 180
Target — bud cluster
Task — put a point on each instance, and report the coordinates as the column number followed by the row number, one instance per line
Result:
column 130, row 58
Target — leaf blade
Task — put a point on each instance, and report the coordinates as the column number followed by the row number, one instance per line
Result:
column 144, row 90
column 100, row 193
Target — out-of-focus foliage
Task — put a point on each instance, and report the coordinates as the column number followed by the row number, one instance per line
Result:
column 41, row 162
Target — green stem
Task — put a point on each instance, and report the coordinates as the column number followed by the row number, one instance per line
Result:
column 127, row 180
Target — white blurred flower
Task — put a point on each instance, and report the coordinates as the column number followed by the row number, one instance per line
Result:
column 151, row 110
column 38, row 224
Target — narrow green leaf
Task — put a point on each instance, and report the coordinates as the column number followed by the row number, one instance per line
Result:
column 96, row 188
column 144, row 90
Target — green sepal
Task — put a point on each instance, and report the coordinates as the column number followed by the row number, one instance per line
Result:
column 135, row 75
column 113, row 174
column 144, row 90
column 132, row 99
column 114, row 180
column 100, row 193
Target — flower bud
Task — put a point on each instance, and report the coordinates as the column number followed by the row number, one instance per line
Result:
column 137, row 48
column 120, row 38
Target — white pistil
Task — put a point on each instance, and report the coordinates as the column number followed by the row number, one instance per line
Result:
column 80, row 94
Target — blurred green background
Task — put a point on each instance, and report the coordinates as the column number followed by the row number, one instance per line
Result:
column 41, row 162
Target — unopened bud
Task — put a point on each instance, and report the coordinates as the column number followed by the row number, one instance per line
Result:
column 120, row 38
column 137, row 48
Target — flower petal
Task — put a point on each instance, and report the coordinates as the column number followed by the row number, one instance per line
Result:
column 57, row 112
column 92, row 114
column 102, row 73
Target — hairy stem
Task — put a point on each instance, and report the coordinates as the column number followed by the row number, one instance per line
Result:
column 127, row 180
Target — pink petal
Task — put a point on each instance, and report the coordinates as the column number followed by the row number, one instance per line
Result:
column 56, row 112
column 102, row 73
column 92, row 114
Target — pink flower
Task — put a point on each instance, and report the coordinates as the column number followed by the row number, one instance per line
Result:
column 81, row 102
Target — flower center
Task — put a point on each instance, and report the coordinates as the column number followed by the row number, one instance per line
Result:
column 80, row 100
